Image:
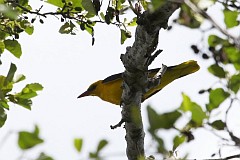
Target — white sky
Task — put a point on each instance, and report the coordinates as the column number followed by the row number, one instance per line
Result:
column 66, row 65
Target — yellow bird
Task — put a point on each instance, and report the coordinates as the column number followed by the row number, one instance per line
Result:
column 110, row 89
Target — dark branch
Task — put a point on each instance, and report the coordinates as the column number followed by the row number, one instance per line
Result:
column 136, row 61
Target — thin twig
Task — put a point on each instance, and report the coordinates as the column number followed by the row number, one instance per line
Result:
column 196, row 9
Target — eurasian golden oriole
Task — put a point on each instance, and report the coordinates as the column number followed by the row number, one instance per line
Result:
column 110, row 89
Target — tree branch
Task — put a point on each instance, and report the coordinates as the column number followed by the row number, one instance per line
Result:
column 135, row 76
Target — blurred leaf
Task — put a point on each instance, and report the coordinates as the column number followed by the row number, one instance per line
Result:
column 216, row 97
column 198, row 115
column 8, row 11
column 214, row 40
column 125, row 35
column 133, row 22
column 10, row 74
column 144, row 3
column 234, row 83
column 160, row 143
column 36, row 130
column 233, row 55
column 218, row 124
column 23, row 2
column 158, row 3
column 188, row 18
column 43, row 156
column 60, row 3
column 165, row 120
column 3, row 104
column 216, row 70
column 2, row 46
column 101, row 145
column 3, row 117
column 93, row 155
column 27, row 140
column 14, row 47
column 57, row 3
column 230, row 18
column 178, row 140
column 88, row 6
column 152, row 118
column 78, row 142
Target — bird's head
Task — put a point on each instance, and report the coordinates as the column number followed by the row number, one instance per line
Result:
column 92, row 90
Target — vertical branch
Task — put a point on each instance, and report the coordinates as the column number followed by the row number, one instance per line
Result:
column 135, row 76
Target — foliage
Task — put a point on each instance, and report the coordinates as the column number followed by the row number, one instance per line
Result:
column 220, row 46
column 22, row 98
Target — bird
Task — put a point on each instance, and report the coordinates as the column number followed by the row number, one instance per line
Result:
column 110, row 90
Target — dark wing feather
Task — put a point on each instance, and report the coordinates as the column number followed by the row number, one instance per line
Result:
column 112, row 78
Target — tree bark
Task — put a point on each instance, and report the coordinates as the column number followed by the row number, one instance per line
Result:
column 135, row 77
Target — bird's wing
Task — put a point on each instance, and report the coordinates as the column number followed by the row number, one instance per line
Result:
column 112, row 78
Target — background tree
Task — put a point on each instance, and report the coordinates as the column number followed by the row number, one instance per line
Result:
column 222, row 48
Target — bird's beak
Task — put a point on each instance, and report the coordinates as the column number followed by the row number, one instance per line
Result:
column 86, row 93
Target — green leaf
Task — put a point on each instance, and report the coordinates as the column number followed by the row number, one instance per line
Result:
column 125, row 35
column 214, row 40
column 19, row 78
column 198, row 115
column 101, row 145
column 158, row 3
column 10, row 74
column 8, row 12
column 152, row 118
column 216, row 97
column 233, row 54
column 88, row 6
column 230, row 18
column 27, row 140
column 29, row 30
column 165, row 120
column 65, row 29
column 234, row 83
column 3, row 117
column 144, row 3
column 133, row 22
column 188, row 18
column 60, row 4
column 3, row 104
column 26, row 103
column 78, row 142
column 2, row 46
column 36, row 130
column 14, row 47
column 35, row 87
column 43, row 156
column 218, row 124
column 216, row 70
column 26, row 94
column 178, row 140
column 23, row 2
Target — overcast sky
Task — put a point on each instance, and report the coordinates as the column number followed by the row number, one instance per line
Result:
column 66, row 65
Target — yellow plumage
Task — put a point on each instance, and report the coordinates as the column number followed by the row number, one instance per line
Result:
column 110, row 89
